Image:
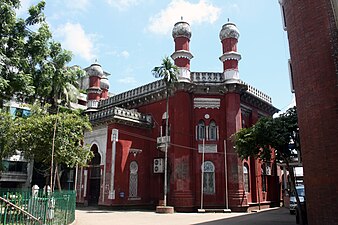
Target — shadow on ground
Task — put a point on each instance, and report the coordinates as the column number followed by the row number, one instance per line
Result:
column 280, row 216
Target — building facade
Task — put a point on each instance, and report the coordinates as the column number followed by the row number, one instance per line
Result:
column 313, row 41
column 205, row 109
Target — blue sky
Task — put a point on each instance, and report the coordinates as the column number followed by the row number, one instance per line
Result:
column 130, row 37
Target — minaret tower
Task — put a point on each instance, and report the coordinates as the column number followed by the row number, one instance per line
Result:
column 229, row 37
column 104, row 84
column 94, row 91
column 182, row 56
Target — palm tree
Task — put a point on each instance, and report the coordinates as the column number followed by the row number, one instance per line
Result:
column 63, row 79
column 168, row 72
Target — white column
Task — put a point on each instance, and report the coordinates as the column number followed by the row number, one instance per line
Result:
column 85, row 176
column 114, row 139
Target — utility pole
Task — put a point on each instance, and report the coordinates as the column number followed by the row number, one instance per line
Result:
column 166, row 151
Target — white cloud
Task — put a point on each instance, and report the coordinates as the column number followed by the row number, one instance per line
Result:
column 232, row 7
column 125, row 54
column 128, row 76
column 201, row 12
column 80, row 5
column 77, row 40
column 123, row 4
column 127, row 80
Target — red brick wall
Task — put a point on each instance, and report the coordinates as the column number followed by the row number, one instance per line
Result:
column 313, row 47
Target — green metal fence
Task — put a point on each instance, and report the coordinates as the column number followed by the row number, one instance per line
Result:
column 23, row 207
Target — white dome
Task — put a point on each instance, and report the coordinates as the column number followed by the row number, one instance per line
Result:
column 95, row 70
column 229, row 30
column 181, row 29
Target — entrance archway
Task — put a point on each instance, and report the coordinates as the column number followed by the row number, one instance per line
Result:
column 94, row 177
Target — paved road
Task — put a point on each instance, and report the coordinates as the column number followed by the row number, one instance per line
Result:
column 91, row 216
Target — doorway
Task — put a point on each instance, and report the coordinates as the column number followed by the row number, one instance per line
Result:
column 94, row 177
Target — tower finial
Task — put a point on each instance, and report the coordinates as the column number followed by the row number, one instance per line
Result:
column 181, row 18
column 228, row 19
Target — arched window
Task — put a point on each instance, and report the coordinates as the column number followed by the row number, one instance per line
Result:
column 212, row 131
column 133, row 179
column 201, row 130
column 246, row 177
column 208, row 178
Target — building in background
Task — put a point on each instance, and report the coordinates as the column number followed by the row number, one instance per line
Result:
column 16, row 170
column 129, row 134
column 313, row 41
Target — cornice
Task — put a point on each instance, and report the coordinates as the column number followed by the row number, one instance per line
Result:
column 182, row 54
column 250, row 99
column 230, row 56
column 121, row 116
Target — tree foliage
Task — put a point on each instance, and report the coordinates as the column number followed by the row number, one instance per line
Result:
column 270, row 135
column 6, row 130
column 278, row 137
column 33, row 136
column 167, row 71
column 32, row 64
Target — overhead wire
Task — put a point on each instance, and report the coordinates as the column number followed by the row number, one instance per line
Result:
column 155, row 140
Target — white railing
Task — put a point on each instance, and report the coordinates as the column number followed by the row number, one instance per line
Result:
column 257, row 93
column 92, row 103
column 122, row 113
column 207, row 77
column 137, row 92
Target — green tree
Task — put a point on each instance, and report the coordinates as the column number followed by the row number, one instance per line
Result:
column 168, row 72
column 6, row 127
column 33, row 136
column 32, row 64
column 13, row 61
column 271, row 136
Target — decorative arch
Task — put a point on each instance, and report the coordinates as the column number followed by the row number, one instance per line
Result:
column 212, row 130
column 246, row 177
column 96, row 160
column 133, row 179
column 94, row 176
column 201, row 130
column 208, row 177
column 99, row 150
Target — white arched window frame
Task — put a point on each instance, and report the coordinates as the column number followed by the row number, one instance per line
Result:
column 208, row 177
column 246, row 178
column 201, row 130
column 213, row 131
column 133, row 179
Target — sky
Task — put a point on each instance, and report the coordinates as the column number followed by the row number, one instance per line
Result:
column 130, row 37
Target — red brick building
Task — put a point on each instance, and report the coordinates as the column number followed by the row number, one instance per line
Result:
column 128, row 137
column 313, row 39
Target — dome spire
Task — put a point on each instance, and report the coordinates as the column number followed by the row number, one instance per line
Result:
column 229, row 35
column 182, row 55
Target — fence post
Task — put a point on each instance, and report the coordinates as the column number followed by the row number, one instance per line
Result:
column 35, row 191
column 32, row 203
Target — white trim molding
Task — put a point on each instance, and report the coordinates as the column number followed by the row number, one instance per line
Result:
column 230, row 56
column 182, row 54
column 207, row 103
